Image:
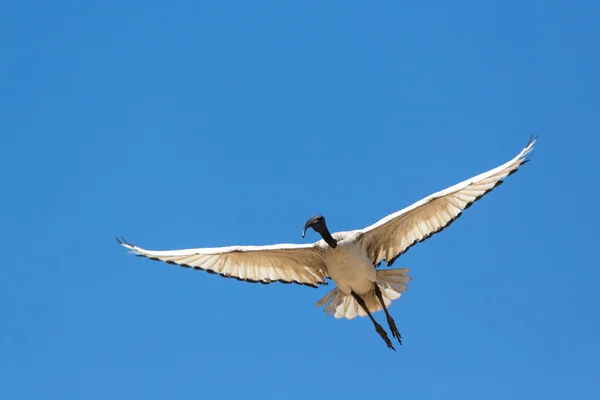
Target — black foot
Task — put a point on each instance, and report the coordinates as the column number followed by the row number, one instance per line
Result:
column 394, row 330
column 385, row 337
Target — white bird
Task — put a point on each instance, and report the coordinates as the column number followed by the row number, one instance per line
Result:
column 350, row 258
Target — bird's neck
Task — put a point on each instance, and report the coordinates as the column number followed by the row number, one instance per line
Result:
column 329, row 239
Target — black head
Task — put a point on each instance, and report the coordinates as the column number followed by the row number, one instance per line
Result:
column 318, row 224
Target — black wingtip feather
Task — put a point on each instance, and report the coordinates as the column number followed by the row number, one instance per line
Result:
column 533, row 139
column 122, row 241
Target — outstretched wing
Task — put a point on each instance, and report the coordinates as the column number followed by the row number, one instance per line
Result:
column 288, row 263
column 393, row 235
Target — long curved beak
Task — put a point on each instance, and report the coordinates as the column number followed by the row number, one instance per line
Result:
column 305, row 228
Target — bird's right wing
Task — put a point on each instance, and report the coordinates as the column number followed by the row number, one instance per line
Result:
column 282, row 262
column 391, row 236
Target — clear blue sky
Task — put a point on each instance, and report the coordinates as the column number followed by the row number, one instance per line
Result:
column 199, row 124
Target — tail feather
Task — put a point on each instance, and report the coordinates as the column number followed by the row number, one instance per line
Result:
column 392, row 283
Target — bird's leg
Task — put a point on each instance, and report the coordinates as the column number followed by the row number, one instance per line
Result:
column 378, row 327
column 390, row 320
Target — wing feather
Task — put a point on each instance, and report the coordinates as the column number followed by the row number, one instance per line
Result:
column 286, row 263
column 393, row 235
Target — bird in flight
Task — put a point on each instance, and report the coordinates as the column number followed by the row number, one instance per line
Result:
column 351, row 259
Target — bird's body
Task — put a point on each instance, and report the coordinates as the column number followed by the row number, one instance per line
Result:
column 351, row 259
column 348, row 264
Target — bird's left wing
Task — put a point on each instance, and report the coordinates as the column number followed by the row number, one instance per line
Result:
column 393, row 235
column 288, row 263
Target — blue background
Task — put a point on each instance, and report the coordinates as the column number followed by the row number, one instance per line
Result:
column 191, row 124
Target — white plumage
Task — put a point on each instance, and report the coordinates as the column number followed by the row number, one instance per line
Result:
column 349, row 258
column 298, row 263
